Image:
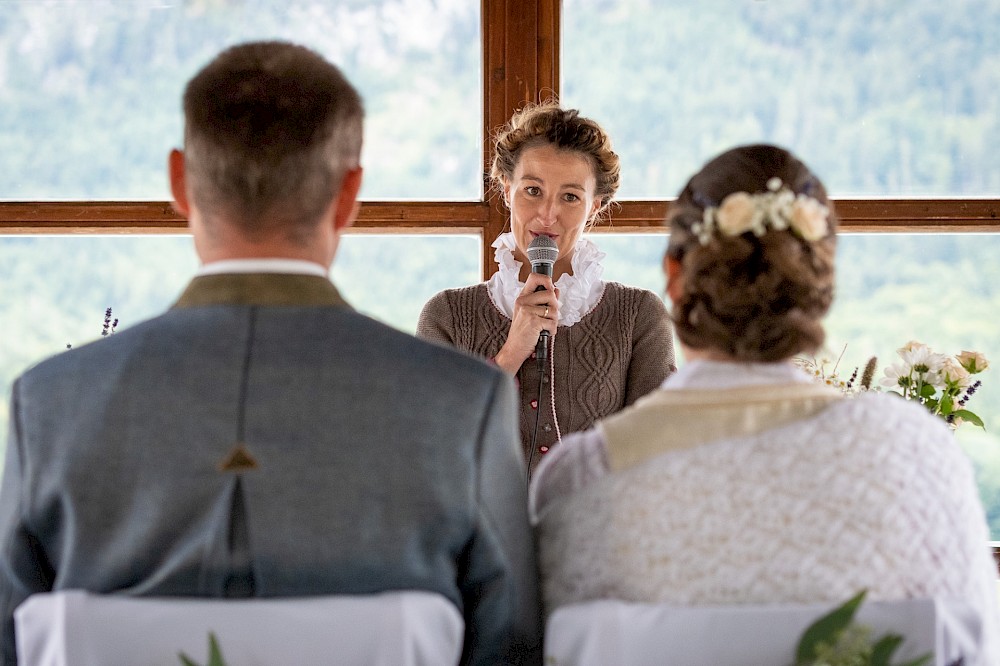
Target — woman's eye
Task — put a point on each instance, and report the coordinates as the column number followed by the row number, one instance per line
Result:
column 571, row 197
column 533, row 190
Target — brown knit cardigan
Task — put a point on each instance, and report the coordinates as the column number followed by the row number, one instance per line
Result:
column 620, row 351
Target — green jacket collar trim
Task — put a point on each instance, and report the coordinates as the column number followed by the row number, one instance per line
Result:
column 262, row 289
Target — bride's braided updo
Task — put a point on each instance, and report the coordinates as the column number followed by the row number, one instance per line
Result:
column 757, row 295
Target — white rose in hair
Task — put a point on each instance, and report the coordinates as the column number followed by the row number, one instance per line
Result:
column 808, row 218
column 736, row 214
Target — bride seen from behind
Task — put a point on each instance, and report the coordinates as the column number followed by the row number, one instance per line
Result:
column 741, row 480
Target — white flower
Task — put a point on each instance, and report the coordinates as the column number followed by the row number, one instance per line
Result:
column 778, row 209
column 736, row 214
column 703, row 230
column 923, row 360
column 896, row 376
column 954, row 375
column 910, row 346
column 973, row 361
column 923, row 363
column 809, row 218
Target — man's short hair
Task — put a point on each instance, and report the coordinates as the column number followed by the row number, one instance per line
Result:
column 271, row 128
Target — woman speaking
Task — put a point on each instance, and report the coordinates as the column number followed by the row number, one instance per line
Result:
column 607, row 344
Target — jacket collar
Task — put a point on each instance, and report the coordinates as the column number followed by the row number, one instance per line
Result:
column 667, row 420
column 261, row 289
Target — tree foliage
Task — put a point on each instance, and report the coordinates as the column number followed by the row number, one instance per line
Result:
column 878, row 97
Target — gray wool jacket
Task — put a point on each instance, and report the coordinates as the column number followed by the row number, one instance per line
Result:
column 263, row 439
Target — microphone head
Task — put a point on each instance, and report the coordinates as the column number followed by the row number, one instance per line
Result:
column 542, row 253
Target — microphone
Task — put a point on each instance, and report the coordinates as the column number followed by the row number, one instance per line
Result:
column 542, row 253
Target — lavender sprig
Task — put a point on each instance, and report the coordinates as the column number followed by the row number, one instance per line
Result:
column 108, row 326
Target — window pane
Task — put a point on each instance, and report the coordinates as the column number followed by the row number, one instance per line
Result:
column 391, row 277
column 57, row 288
column 940, row 289
column 633, row 259
column 879, row 98
column 92, row 88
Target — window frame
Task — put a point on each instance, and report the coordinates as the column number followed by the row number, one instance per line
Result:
column 520, row 61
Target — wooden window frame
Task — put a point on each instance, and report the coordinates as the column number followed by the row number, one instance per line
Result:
column 520, row 54
column 520, row 42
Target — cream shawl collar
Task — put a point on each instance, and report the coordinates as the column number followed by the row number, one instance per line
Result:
column 708, row 401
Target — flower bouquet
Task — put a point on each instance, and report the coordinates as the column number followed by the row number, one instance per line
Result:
column 943, row 384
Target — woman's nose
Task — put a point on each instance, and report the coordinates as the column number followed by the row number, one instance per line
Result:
column 548, row 213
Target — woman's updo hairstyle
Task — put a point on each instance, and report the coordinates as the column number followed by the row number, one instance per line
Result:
column 756, row 298
column 542, row 124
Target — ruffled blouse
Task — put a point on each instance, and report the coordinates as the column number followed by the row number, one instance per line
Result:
column 579, row 292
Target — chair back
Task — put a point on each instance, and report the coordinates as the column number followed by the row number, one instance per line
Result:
column 633, row 634
column 76, row 628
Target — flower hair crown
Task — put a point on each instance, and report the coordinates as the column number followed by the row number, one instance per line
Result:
column 779, row 208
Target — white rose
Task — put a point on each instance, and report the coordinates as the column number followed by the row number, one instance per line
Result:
column 736, row 214
column 954, row 374
column 974, row 362
column 809, row 218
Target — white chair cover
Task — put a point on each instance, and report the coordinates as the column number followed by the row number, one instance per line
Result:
column 75, row 628
column 631, row 634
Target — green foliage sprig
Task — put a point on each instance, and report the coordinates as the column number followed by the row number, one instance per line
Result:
column 214, row 654
column 837, row 640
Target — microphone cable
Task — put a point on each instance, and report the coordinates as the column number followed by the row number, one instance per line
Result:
column 542, row 371
column 534, row 433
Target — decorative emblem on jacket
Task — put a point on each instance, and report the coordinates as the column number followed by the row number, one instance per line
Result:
column 238, row 460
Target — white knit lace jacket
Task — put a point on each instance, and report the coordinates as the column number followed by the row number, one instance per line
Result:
column 872, row 493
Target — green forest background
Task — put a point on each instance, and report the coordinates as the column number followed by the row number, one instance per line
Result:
column 943, row 290
column 881, row 98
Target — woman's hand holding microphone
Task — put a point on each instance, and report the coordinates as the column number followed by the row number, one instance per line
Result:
column 535, row 310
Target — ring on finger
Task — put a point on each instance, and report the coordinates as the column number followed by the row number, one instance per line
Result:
column 546, row 315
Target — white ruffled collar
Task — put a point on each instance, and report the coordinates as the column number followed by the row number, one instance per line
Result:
column 579, row 293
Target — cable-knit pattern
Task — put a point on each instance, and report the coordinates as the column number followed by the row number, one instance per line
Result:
column 596, row 356
column 872, row 493
column 464, row 316
column 630, row 307
column 596, row 367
